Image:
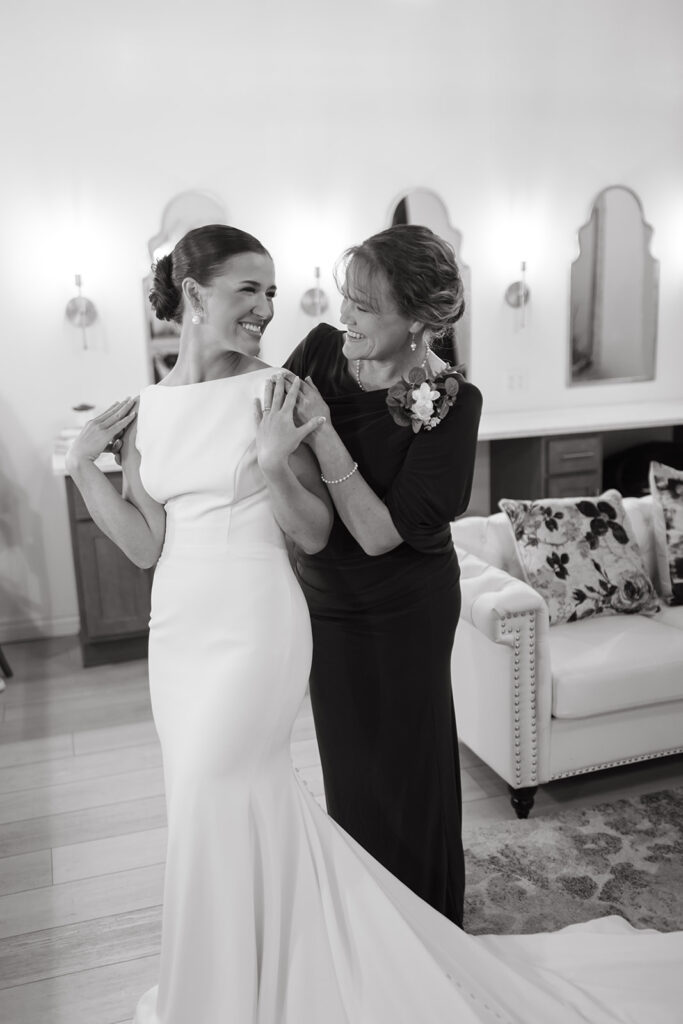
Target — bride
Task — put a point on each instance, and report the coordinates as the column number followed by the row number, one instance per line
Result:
column 273, row 914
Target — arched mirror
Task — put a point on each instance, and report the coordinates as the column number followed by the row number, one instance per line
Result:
column 422, row 206
column 182, row 213
column 614, row 293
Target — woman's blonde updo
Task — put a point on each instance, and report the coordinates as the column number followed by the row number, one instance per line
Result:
column 421, row 271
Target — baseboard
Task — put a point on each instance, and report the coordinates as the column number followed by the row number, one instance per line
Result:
column 36, row 629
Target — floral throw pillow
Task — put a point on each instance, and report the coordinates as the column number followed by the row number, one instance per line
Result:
column 666, row 485
column 580, row 556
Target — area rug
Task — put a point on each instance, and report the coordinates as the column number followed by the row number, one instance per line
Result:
column 537, row 875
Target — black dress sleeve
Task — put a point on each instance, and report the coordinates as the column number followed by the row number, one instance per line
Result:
column 312, row 355
column 434, row 484
column 297, row 360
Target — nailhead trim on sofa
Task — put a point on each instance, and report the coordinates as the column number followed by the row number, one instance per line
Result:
column 615, row 764
column 522, row 635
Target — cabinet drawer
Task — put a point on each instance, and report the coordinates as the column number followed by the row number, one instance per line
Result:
column 80, row 510
column 575, row 485
column 574, row 454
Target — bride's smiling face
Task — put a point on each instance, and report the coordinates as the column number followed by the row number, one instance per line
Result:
column 238, row 304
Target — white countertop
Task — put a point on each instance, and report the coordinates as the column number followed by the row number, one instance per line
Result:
column 107, row 463
column 581, row 419
column 496, row 426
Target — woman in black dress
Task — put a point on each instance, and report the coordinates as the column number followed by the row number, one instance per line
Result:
column 384, row 594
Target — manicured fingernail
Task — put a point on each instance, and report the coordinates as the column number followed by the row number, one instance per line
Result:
column 322, row 419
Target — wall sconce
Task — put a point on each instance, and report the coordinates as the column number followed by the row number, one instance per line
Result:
column 80, row 311
column 314, row 301
column 517, row 293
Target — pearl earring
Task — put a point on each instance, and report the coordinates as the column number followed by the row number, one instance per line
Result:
column 413, row 344
column 196, row 318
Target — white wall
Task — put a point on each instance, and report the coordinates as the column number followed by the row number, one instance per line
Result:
column 308, row 118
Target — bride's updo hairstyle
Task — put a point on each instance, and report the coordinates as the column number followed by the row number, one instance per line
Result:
column 201, row 255
column 424, row 280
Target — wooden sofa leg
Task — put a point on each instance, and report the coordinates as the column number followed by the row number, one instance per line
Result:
column 522, row 799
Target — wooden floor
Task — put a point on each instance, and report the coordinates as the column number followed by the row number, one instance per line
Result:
column 82, row 831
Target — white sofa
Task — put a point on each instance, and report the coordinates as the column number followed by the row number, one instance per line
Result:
column 538, row 702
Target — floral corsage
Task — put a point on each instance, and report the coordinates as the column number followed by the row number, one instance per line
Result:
column 421, row 401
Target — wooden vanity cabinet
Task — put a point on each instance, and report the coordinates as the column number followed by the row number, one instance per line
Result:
column 113, row 594
column 546, row 467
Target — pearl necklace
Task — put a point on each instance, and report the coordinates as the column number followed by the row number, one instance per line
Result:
column 422, row 365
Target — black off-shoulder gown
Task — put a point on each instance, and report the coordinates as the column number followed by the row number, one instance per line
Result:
column 383, row 631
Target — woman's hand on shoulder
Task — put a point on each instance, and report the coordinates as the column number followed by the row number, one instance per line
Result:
column 310, row 405
column 102, row 433
column 278, row 433
column 311, row 402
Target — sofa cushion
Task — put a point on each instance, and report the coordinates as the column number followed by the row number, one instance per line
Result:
column 489, row 538
column 639, row 514
column 581, row 556
column 666, row 485
column 611, row 663
column 672, row 616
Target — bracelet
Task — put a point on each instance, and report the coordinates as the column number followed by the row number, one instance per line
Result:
column 341, row 478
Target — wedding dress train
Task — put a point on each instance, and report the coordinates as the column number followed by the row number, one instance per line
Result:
column 272, row 914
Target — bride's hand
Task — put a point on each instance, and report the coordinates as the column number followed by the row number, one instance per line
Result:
column 102, row 433
column 277, row 434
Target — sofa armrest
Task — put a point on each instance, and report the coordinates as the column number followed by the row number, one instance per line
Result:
column 502, row 678
column 490, row 595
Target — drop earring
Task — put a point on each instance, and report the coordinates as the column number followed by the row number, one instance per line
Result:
column 196, row 317
column 413, row 344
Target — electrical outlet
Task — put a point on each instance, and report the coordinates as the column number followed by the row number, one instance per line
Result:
column 516, row 380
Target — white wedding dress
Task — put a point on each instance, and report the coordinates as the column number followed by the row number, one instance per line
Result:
column 273, row 914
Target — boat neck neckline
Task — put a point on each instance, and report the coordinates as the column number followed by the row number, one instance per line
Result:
column 214, row 380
